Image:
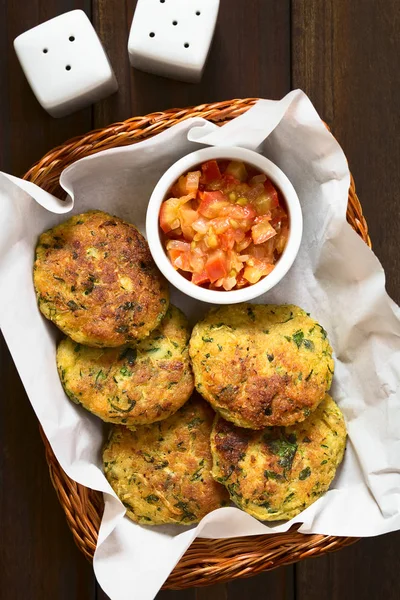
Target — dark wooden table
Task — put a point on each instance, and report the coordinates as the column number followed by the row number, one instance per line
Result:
column 344, row 54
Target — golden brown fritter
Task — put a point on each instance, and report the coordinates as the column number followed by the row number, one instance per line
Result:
column 161, row 472
column 261, row 365
column 96, row 280
column 276, row 473
column 136, row 384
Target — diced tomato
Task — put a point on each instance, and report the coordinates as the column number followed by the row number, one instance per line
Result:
column 198, row 256
column 257, row 269
column 229, row 180
column 192, row 181
column 228, row 283
column 197, row 262
column 179, row 254
column 220, row 225
column 278, row 214
column 212, row 204
column 254, row 192
column 227, row 240
column 263, row 204
column 237, row 169
column 169, row 215
column 200, row 278
column 211, row 239
column 178, row 245
column 271, row 193
column 262, row 230
column 239, row 235
column 236, row 211
column 266, row 197
column 232, row 237
column 169, row 212
column 183, row 262
column 224, row 231
column 264, row 251
column 185, row 185
column 216, row 265
column 242, row 191
column 201, row 225
column 200, row 248
column 252, row 274
column 187, row 217
column 233, row 262
column 214, row 186
column 179, row 188
column 241, row 281
column 245, row 243
column 180, row 260
column 173, row 255
column 210, row 171
column 282, row 239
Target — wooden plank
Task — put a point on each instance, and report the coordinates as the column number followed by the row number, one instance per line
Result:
column 366, row 571
column 38, row 557
column 212, row 592
column 112, row 24
column 344, row 56
column 164, row 595
column 274, row 585
column 249, row 57
column 177, row 595
column 278, row 583
column 27, row 131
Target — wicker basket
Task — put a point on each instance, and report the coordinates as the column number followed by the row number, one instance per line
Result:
column 207, row 561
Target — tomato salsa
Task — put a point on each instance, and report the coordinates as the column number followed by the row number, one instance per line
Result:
column 225, row 225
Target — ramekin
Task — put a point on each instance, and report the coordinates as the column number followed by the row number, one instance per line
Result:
column 153, row 232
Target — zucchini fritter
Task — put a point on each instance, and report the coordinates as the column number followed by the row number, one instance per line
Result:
column 276, row 473
column 261, row 365
column 137, row 384
column 96, row 280
column 161, row 472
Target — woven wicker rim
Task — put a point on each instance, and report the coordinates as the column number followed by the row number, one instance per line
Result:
column 206, row 562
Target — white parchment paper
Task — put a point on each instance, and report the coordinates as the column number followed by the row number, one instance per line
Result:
column 335, row 277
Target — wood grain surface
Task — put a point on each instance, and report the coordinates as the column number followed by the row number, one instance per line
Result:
column 344, row 55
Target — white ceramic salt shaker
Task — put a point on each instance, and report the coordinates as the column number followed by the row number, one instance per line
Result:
column 172, row 37
column 65, row 63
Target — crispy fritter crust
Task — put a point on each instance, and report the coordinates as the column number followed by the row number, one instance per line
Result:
column 261, row 365
column 134, row 385
column 96, row 280
column 276, row 473
column 161, row 472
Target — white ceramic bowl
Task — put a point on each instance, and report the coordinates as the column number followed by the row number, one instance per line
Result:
column 186, row 164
